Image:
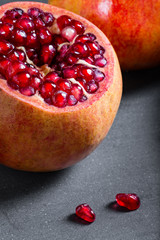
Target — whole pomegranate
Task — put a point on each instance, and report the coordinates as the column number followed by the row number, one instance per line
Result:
column 132, row 27
column 60, row 87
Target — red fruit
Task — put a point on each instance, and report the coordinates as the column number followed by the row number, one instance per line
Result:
column 5, row 30
column 48, row 19
column 68, row 33
column 85, row 212
column 130, row 201
column 38, row 22
column 63, row 107
column 14, row 13
column 25, row 24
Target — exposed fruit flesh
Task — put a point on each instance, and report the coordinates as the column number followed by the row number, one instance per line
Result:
column 32, row 30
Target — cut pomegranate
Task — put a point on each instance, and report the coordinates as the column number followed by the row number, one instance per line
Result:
column 85, row 212
column 130, row 201
column 61, row 83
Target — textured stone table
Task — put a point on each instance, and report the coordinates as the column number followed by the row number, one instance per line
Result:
column 37, row 206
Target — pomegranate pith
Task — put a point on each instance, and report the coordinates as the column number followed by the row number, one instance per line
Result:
column 57, row 121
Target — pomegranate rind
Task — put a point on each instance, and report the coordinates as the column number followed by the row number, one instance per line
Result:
column 37, row 137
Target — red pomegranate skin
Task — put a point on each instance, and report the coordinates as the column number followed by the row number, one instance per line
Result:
column 35, row 136
column 132, row 27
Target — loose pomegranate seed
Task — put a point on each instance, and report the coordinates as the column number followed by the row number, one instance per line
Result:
column 19, row 37
column 86, row 73
column 38, row 22
column 48, row 19
column 32, row 40
column 85, row 212
column 91, row 36
column 5, row 30
column 69, row 72
column 72, row 100
column 17, row 54
column 100, row 62
column 64, row 85
column 27, row 91
column 47, row 89
column 60, row 99
column 14, row 13
column 58, row 39
column 77, row 91
column 35, row 12
column 22, row 79
column 47, row 53
column 98, row 75
column 35, row 82
column 79, row 27
column 45, row 35
column 69, row 33
column 52, row 77
column 5, row 47
column 63, row 21
column 130, row 201
column 91, row 86
column 93, row 47
column 79, row 49
column 25, row 24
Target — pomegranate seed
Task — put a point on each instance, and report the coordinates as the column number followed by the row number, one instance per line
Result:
column 130, row 201
column 83, row 98
column 69, row 33
column 89, row 60
column 4, row 66
column 32, row 70
column 14, row 13
column 52, row 77
column 5, row 30
column 71, row 59
column 82, row 38
column 27, row 91
column 102, row 50
column 64, row 85
column 32, row 54
column 22, row 79
column 79, row 27
column 25, row 15
column 25, row 24
column 17, row 54
column 35, row 82
column 93, row 47
column 7, row 19
column 63, row 51
column 19, row 37
column 100, row 62
column 98, row 75
column 60, row 66
column 86, row 73
column 45, row 35
column 47, row 53
column 35, row 12
column 60, row 99
column 79, row 49
column 58, row 39
column 47, row 89
column 91, row 36
column 72, row 100
column 5, row 47
column 32, row 40
column 85, row 212
column 81, row 81
column 16, row 67
column 77, row 91
column 91, row 86
column 48, row 19
column 13, row 85
column 69, row 72
column 38, row 22
column 63, row 21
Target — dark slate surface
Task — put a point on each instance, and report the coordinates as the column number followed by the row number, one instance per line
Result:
column 36, row 206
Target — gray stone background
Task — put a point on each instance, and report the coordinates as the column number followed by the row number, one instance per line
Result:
column 37, row 206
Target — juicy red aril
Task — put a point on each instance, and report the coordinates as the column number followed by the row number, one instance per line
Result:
column 69, row 72
column 32, row 40
column 47, row 53
column 77, row 91
column 98, row 75
column 69, row 33
column 47, row 89
column 58, row 39
column 89, row 60
column 5, row 47
column 91, row 36
column 7, row 19
column 130, row 201
column 85, row 212
column 72, row 100
column 17, row 54
column 79, row 49
column 82, row 38
column 86, row 73
column 91, row 86
column 93, row 47
column 64, row 85
column 35, row 82
column 4, row 66
column 63, row 21
column 52, row 76
column 5, row 30
column 82, row 81
column 14, row 13
column 22, row 79
column 19, row 37
column 48, row 19
column 63, row 51
column 27, row 91
column 71, row 59
column 60, row 99
column 35, row 12
column 102, row 50
column 16, row 67
column 25, row 15
column 45, row 35
column 79, row 27
column 100, row 62
column 25, row 24
column 38, row 22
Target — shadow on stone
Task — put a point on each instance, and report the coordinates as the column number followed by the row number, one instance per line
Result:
column 75, row 219
column 115, row 207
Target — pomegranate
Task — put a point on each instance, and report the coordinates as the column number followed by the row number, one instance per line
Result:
column 60, row 87
column 85, row 212
column 130, row 200
column 131, row 26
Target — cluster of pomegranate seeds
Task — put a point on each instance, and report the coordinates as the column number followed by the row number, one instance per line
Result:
column 130, row 201
column 29, row 44
column 85, row 212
